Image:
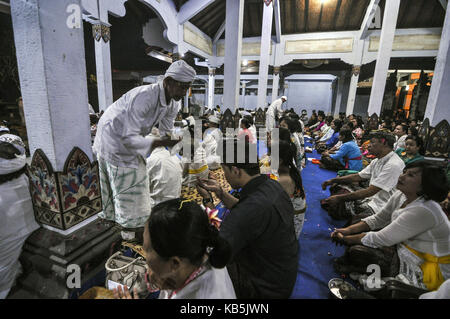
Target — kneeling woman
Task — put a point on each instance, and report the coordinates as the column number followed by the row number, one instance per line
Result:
column 184, row 253
column 413, row 221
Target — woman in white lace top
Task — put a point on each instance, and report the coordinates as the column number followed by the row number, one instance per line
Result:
column 414, row 221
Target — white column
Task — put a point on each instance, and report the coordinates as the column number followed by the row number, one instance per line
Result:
column 233, row 46
column 384, row 56
column 52, row 72
column 352, row 90
column 211, row 87
column 103, row 68
column 339, row 91
column 438, row 107
column 186, row 103
column 264, row 54
column 243, row 85
column 275, row 82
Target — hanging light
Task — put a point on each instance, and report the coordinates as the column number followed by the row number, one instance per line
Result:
column 245, row 63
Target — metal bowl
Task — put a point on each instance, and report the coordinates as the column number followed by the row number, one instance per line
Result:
column 339, row 287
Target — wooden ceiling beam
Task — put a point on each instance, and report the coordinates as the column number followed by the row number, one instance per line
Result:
column 191, row 9
column 306, row 14
column 348, row 14
column 294, row 12
column 208, row 16
column 336, row 13
column 320, row 17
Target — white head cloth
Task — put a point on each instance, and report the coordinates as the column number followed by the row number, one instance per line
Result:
column 181, row 71
column 12, row 165
column 214, row 119
column 284, row 98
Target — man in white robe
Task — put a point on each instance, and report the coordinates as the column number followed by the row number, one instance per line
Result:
column 122, row 144
column 16, row 209
column 273, row 111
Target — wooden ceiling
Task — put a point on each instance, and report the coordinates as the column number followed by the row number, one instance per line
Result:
column 302, row 16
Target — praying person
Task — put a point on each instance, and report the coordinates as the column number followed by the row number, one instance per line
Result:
column 165, row 175
column 16, row 209
column 291, row 180
column 259, row 227
column 185, row 255
column 401, row 133
column 382, row 173
column 413, row 221
column 347, row 157
column 212, row 137
column 122, row 145
column 413, row 149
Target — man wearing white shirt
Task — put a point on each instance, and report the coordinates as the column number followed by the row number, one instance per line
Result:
column 272, row 112
column 211, row 140
column 382, row 173
column 165, row 175
column 122, row 144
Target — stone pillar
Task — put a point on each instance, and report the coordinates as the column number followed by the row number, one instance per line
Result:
column 52, row 71
column 352, row 90
column 339, row 93
column 264, row 53
column 233, row 46
column 211, row 87
column 384, row 56
column 438, row 101
column 64, row 181
column 275, row 82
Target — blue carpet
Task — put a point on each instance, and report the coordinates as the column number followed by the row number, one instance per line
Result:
column 316, row 250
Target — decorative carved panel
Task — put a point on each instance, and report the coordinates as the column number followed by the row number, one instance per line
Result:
column 424, row 132
column 64, row 199
column 227, row 120
column 438, row 142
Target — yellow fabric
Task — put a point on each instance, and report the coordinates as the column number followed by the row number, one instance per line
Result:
column 432, row 276
column 198, row 170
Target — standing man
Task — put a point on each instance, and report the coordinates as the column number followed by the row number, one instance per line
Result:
column 122, row 144
column 273, row 111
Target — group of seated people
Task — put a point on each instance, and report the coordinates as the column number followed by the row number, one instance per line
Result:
column 392, row 206
column 396, row 205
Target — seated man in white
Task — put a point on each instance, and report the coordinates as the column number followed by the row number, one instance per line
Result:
column 211, row 139
column 382, row 174
column 165, row 174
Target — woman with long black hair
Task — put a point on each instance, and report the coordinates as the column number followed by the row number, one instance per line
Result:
column 291, row 180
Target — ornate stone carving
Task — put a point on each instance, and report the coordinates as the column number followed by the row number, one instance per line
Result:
column 438, row 142
column 101, row 31
column 64, row 199
column 356, row 69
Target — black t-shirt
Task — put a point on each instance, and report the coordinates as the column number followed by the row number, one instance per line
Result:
column 260, row 230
